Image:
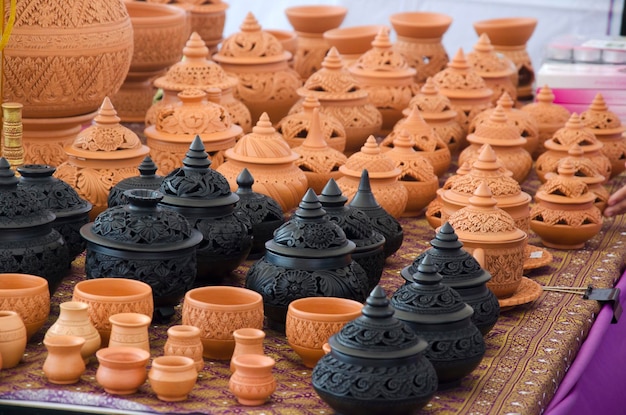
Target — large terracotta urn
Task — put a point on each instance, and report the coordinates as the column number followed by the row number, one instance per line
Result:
column 62, row 59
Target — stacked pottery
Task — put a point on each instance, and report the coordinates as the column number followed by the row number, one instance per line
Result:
column 369, row 252
column 383, row 173
column 438, row 314
column 376, row 362
column 574, row 132
column 258, row 60
column 147, row 179
column 608, row 129
column 70, row 209
column 197, row 71
column 549, row 116
column 587, row 171
column 203, row 196
column 309, row 256
column 342, row 97
column 503, row 136
column 352, row 41
column 388, row 79
column 462, row 272
column 271, row 162
column 101, row 156
column 207, row 18
column 265, row 213
column 318, row 160
column 29, row 242
column 564, row 215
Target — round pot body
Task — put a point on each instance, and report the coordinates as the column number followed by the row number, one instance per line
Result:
column 64, row 363
column 122, row 370
column 28, row 295
column 172, row 377
column 252, row 382
column 12, row 338
column 130, row 330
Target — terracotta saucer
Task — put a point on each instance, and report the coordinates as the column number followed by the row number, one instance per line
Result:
column 527, row 292
column 536, row 257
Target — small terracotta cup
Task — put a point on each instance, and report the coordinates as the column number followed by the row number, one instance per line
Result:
column 122, row 370
column 29, row 296
column 172, row 377
column 64, row 363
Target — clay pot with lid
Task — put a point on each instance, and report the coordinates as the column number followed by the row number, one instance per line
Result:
column 352, row 41
column 564, row 215
column 309, row 256
column 376, row 361
column 147, row 179
column 587, row 171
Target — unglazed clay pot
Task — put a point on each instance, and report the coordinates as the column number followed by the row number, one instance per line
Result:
column 122, row 370
column 587, row 171
column 252, row 382
column 74, row 320
column 130, row 329
column 184, row 340
column 29, row 296
column 64, row 363
column 172, row 377
column 12, row 338
column 248, row 340
column 352, row 41
column 207, row 18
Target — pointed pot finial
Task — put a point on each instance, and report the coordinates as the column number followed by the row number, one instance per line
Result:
column 107, row 115
column 196, row 156
column 545, row 95
column 250, row 24
column 332, row 195
column 446, row 238
column 195, row 48
column 505, row 101
column 459, row 62
column 315, row 137
column 147, row 167
column 310, row 206
column 332, row 60
column 364, row 197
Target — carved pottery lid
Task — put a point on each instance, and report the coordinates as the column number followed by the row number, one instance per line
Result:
column 459, row 80
column 574, row 132
column 147, row 179
column 545, row 111
column 310, row 233
column 487, row 62
column 18, row 207
column 195, row 70
column 332, row 81
column 196, row 184
column 526, row 124
column 257, row 206
column 600, row 119
column 372, row 159
column 425, row 138
column 251, row 45
column 564, row 187
column 316, row 155
column 457, row 266
column 413, row 164
column 497, row 130
column 54, row 194
column 382, row 61
column 106, row 138
column 432, row 104
column 377, row 334
column 584, row 168
column 426, row 300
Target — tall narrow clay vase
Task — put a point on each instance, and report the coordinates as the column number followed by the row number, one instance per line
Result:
column 64, row 363
column 12, row 338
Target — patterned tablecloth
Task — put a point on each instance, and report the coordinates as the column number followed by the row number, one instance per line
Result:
column 528, row 351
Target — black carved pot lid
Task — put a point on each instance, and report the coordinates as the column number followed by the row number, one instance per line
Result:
column 196, row 184
column 426, row 300
column 19, row 208
column 377, row 334
column 257, row 206
column 457, row 266
column 147, row 179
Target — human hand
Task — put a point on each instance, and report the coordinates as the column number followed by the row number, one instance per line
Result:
column 616, row 205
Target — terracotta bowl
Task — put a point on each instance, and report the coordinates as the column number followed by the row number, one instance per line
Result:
column 218, row 311
column 122, row 370
column 420, row 24
column 29, row 296
column 352, row 40
column 507, row 31
column 315, row 19
column 109, row 296
column 312, row 320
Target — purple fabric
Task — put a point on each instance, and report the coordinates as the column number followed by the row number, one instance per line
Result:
column 594, row 384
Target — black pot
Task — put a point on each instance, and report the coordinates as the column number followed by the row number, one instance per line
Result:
column 147, row 179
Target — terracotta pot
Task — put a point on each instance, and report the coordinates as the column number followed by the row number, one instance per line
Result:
column 130, row 329
column 28, row 295
column 64, row 363
column 218, row 311
column 252, row 382
column 207, row 18
column 311, row 321
column 74, row 320
column 353, row 41
column 12, row 338
column 172, row 377
column 247, row 341
column 587, row 171
column 184, row 340
column 122, row 370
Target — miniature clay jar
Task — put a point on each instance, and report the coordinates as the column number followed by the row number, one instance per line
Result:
column 500, row 132
column 564, row 215
column 74, row 320
column 29, row 296
column 184, row 340
column 177, row 125
column 12, row 338
column 318, row 160
column 387, row 77
column 70, row 209
column 248, row 340
column 383, row 175
column 172, row 377
column 271, row 162
column 130, row 329
column 352, row 41
column 252, row 381
column 101, row 156
column 207, row 18
column 147, row 179
column 574, row 132
column 587, row 171
column 342, row 97
column 28, row 241
column 508, row 36
column 370, row 244
column 64, row 363
column 311, row 321
column 109, row 296
column 310, row 24
column 197, row 71
column 122, row 370
column 258, row 60
column 294, row 127
column 490, row 235
column 309, row 256
column 420, row 41
column 438, row 314
column 608, row 129
column 376, row 362
column 210, row 207
column 462, row 272
column 264, row 213
column 549, row 116
column 218, row 311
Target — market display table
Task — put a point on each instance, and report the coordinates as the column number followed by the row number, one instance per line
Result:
column 529, row 351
